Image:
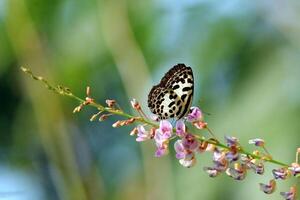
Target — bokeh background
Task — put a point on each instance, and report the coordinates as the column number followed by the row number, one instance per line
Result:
column 245, row 56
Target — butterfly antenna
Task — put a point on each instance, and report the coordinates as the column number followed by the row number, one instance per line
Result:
column 207, row 113
column 141, row 112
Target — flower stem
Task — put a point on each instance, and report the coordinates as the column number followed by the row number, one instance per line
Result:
column 66, row 92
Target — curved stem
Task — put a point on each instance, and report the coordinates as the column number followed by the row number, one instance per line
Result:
column 143, row 120
column 66, row 92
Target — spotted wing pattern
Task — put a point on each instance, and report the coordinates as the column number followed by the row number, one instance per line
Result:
column 172, row 97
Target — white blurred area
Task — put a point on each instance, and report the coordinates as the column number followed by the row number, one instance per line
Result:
column 18, row 184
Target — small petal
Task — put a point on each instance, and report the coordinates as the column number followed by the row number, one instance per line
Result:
column 200, row 124
column 220, row 161
column 258, row 168
column 231, row 141
column 188, row 161
column 290, row 195
column 238, row 172
column 281, row 173
column 161, row 137
column 295, row 169
column 134, row 131
column 232, row 156
column 190, row 142
column 142, row 134
column 179, row 148
column 195, row 114
column 135, row 104
column 202, row 146
column 166, row 128
column 212, row 172
column 257, row 142
column 161, row 151
column 180, row 128
column 268, row 188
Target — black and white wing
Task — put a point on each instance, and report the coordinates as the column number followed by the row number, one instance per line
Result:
column 172, row 97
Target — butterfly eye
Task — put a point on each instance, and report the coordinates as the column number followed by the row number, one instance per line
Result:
column 172, row 97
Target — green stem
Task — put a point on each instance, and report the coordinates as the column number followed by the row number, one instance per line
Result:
column 66, row 92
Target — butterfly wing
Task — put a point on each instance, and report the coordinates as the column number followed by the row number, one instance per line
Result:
column 172, row 97
column 162, row 102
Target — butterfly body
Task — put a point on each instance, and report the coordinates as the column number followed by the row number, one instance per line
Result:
column 172, row 97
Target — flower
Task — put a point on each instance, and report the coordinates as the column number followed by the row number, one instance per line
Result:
column 180, row 128
column 162, row 149
column 231, row 141
column 195, row 114
column 135, row 104
column 290, row 195
column 281, row 173
column 180, row 150
column 142, row 134
column 232, row 155
column 110, row 102
column 212, row 172
column 186, row 158
column 295, row 169
column 185, row 149
column 200, row 124
column 203, row 146
column 257, row 142
column 190, row 143
column 238, row 172
column 166, row 128
column 134, row 131
column 268, row 188
column 161, row 137
column 256, row 165
column 189, row 160
column 219, row 159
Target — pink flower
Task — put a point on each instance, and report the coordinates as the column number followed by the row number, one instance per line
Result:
column 185, row 149
column 290, row 195
column 142, row 134
column 161, row 138
column 180, row 150
column 161, row 141
column 190, row 142
column 268, row 188
column 180, row 128
column 257, row 142
column 195, row 114
column 161, row 150
column 166, row 128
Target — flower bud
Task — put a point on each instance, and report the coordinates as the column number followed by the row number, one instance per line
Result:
column 110, row 103
column 135, row 104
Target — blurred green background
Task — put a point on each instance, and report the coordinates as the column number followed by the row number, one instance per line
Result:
column 245, row 56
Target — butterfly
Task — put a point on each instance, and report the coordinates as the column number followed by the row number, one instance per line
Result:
column 172, row 97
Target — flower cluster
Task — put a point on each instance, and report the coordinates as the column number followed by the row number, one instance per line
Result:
column 229, row 158
column 186, row 145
